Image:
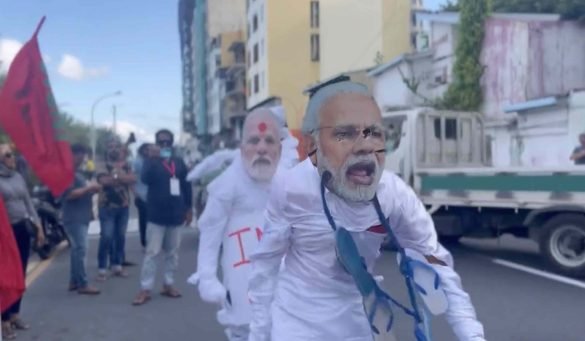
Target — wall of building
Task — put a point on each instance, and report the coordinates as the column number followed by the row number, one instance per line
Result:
column 351, row 35
column 288, row 45
column 214, row 90
column 225, row 16
column 390, row 90
column 530, row 59
column 396, row 28
column 258, row 37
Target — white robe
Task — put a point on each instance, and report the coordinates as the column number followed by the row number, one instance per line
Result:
column 212, row 163
column 233, row 218
column 313, row 298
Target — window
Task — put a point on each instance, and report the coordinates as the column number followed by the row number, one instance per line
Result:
column 255, row 23
column 315, row 14
column 255, row 53
column 450, row 128
column 314, row 47
column 256, row 84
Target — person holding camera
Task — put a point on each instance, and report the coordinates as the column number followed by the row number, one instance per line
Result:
column 114, row 203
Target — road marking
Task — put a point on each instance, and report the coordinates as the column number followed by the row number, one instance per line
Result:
column 36, row 269
column 551, row 276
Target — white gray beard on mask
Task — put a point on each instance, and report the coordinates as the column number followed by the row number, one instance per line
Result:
column 341, row 186
column 260, row 171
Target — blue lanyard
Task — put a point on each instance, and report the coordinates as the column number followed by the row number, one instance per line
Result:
column 348, row 256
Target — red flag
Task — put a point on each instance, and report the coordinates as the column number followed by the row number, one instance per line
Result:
column 11, row 277
column 28, row 114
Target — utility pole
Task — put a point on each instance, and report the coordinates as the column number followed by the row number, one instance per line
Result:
column 114, row 125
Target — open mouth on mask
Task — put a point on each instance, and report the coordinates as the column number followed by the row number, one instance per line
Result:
column 262, row 162
column 361, row 173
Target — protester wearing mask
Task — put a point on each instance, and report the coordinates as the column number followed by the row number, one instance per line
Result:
column 342, row 186
column 232, row 222
column 114, row 203
column 169, row 207
column 24, row 220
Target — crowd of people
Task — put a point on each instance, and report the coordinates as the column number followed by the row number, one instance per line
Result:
column 292, row 238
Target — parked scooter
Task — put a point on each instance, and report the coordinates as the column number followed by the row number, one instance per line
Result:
column 48, row 209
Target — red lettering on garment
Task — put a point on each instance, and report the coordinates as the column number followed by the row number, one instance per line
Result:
column 377, row 229
column 259, row 233
column 243, row 259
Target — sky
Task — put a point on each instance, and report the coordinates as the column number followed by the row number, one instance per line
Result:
column 93, row 48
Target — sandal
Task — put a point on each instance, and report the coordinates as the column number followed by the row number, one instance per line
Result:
column 170, row 292
column 120, row 273
column 19, row 324
column 8, row 332
column 142, row 298
column 102, row 277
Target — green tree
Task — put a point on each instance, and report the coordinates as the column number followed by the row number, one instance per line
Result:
column 464, row 92
column 568, row 9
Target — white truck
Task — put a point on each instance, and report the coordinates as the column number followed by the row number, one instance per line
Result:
column 445, row 157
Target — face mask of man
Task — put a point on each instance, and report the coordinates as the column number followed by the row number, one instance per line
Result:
column 261, row 148
column 166, row 153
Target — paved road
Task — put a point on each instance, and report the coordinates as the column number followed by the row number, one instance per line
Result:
column 513, row 305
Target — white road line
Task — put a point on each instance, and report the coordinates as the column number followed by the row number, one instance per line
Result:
column 551, row 276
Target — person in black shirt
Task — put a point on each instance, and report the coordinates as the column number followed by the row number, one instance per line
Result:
column 168, row 207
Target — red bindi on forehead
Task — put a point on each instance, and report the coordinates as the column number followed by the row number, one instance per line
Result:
column 262, row 127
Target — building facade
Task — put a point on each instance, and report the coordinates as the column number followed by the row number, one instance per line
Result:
column 282, row 54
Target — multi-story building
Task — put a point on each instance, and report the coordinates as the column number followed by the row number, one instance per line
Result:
column 358, row 34
column 282, row 54
column 296, row 43
column 199, row 22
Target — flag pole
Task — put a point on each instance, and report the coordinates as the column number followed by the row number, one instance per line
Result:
column 39, row 26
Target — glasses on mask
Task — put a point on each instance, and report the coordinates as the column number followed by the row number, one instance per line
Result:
column 377, row 303
column 351, row 133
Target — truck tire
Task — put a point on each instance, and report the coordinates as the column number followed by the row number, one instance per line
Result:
column 450, row 240
column 562, row 243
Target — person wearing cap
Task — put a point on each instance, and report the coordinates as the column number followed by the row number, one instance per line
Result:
column 232, row 221
column 314, row 297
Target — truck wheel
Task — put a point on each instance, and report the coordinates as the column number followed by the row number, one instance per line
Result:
column 562, row 243
column 449, row 240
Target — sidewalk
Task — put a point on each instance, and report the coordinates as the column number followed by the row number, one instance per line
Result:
column 57, row 315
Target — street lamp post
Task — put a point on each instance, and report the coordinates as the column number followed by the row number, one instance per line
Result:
column 93, row 130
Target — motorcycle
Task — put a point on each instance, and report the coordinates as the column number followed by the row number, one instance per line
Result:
column 48, row 210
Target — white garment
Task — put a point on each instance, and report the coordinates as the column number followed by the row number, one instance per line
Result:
column 212, row 163
column 313, row 298
column 232, row 219
column 290, row 154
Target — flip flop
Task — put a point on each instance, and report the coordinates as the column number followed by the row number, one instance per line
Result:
column 141, row 299
column 427, row 282
column 171, row 292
